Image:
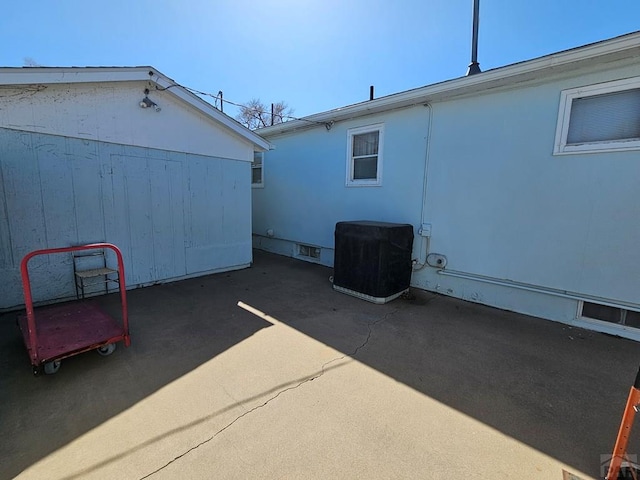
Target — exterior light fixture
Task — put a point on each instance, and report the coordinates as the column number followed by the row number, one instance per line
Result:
column 146, row 102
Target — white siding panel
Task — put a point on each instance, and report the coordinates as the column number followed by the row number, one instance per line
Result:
column 57, row 197
column 168, row 225
column 6, row 251
column 86, row 196
column 23, row 196
column 135, row 176
column 218, row 194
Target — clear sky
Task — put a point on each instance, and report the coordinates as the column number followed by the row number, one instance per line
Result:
column 314, row 54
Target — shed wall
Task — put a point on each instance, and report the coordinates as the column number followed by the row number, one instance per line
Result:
column 110, row 112
column 173, row 214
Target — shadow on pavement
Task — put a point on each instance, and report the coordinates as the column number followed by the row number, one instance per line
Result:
column 557, row 389
column 174, row 329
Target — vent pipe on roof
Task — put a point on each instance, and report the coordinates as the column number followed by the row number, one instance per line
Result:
column 371, row 92
column 474, row 66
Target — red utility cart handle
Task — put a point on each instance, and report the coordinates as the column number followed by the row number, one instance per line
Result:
column 28, row 299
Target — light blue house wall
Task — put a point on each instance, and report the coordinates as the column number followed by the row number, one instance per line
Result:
column 504, row 207
column 304, row 192
column 522, row 229
column 172, row 214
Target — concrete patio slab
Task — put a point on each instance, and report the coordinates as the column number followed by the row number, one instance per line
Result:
column 269, row 373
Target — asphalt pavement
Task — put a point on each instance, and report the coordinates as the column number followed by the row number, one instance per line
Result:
column 267, row 373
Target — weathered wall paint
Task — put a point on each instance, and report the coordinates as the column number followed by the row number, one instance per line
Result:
column 110, row 112
column 173, row 214
column 500, row 204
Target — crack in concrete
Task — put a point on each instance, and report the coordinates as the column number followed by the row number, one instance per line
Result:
column 370, row 326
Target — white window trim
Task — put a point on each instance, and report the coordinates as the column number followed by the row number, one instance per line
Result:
column 261, row 184
column 358, row 131
column 560, row 146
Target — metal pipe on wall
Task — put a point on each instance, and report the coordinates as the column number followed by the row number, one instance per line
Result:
column 538, row 289
column 421, row 261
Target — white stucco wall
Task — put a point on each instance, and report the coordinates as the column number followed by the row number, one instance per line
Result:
column 110, row 112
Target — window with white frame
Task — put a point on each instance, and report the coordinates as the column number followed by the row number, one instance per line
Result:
column 603, row 117
column 257, row 170
column 364, row 155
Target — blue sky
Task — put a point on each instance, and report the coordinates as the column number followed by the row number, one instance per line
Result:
column 315, row 55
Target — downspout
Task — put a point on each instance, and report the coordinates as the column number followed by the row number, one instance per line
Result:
column 425, row 237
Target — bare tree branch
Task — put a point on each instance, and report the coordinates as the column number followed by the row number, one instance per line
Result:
column 254, row 114
column 30, row 62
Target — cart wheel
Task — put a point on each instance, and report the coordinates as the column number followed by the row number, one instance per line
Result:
column 52, row 367
column 37, row 370
column 106, row 349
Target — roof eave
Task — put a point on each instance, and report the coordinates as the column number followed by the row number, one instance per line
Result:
column 626, row 46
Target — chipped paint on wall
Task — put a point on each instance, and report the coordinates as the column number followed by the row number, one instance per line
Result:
column 110, row 112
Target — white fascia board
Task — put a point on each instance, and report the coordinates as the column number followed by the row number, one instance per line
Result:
column 53, row 75
column 626, row 46
column 57, row 75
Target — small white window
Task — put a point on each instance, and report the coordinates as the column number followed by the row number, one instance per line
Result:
column 257, row 170
column 364, row 156
column 603, row 117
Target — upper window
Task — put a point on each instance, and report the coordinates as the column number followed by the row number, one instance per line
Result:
column 364, row 155
column 257, row 170
column 599, row 117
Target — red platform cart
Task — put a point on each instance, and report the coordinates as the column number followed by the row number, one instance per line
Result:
column 55, row 332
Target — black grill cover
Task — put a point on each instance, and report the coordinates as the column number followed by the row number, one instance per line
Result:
column 373, row 258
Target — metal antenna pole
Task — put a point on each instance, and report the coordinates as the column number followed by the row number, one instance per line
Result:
column 474, row 66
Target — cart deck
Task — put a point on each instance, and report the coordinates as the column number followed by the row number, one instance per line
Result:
column 55, row 332
column 71, row 328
